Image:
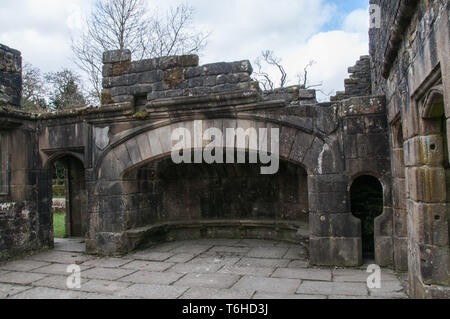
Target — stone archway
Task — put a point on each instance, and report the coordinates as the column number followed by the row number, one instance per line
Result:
column 117, row 227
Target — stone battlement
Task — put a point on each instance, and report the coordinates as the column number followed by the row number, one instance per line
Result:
column 140, row 82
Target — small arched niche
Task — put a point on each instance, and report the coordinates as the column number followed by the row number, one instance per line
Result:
column 366, row 194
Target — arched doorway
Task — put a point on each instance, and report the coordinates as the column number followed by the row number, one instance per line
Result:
column 69, row 197
column 366, row 195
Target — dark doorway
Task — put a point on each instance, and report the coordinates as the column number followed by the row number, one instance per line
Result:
column 367, row 204
column 68, row 186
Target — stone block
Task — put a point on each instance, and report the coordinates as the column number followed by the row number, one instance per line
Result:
column 426, row 184
column 346, row 252
column 384, row 251
column 424, row 150
column 434, row 265
column 116, row 56
column 429, row 223
column 334, row 225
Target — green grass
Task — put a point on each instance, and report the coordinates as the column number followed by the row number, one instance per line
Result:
column 59, row 225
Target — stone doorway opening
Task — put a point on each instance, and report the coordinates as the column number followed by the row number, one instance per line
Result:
column 69, row 197
column 367, row 204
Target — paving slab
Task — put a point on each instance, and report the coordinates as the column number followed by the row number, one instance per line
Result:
column 150, row 255
column 332, row 288
column 389, row 289
column 57, row 269
column 259, row 262
column 296, row 253
column 148, row 265
column 257, row 243
column 104, row 286
column 151, row 292
column 215, row 260
column 49, row 293
column 106, row 273
column 271, row 296
column 230, row 249
column 22, row 278
column 70, row 245
column 180, row 258
column 153, row 278
column 107, row 262
column 7, row 290
column 211, row 293
column 267, row 252
column 58, row 282
column 192, row 249
column 61, row 257
column 208, row 280
column 357, row 275
column 250, row 271
column 298, row 264
column 195, row 268
column 303, row 273
column 166, row 247
column 271, row 285
column 23, row 265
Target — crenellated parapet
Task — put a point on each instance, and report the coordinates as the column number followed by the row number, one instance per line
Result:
column 140, row 82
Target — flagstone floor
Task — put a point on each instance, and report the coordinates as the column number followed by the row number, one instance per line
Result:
column 198, row 269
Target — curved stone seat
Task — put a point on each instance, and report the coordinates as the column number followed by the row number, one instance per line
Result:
column 289, row 231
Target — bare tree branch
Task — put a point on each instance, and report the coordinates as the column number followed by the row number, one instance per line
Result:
column 127, row 24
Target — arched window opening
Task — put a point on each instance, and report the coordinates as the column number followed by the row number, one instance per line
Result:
column 367, row 204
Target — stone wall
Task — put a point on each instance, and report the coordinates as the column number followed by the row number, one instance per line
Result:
column 10, row 76
column 359, row 83
column 411, row 66
column 23, row 227
column 141, row 82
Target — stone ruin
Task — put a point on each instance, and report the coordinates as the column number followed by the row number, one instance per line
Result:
column 390, row 125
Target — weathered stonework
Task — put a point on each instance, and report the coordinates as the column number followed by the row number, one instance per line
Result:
column 410, row 64
column 10, row 76
column 391, row 123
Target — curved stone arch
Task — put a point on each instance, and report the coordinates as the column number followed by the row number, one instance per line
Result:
column 382, row 179
column 55, row 157
column 125, row 136
column 296, row 146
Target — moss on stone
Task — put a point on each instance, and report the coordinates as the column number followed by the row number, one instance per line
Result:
column 141, row 115
column 173, row 78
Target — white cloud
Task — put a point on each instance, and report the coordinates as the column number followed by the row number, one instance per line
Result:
column 241, row 29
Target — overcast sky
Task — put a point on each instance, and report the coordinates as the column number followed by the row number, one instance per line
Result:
column 333, row 33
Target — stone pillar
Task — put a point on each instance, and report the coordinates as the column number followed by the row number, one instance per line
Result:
column 427, row 210
column 335, row 232
column 10, row 77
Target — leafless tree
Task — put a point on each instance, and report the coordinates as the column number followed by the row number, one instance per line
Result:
column 33, row 89
column 127, row 24
column 65, row 90
column 269, row 58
